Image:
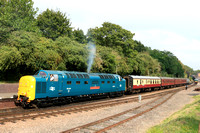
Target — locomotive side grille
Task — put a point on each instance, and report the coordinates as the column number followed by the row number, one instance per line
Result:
column 80, row 76
column 106, row 76
column 41, row 87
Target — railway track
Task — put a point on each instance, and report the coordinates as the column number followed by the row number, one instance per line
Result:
column 107, row 123
column 16, row 115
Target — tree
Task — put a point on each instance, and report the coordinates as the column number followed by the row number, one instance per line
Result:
column 188, row 71
column 169, row 63
column 114, row 36
column 74, row 55
column 79, row 36
column 54, row 24
column 139, row 46
column 147, row 65
column 16, row 15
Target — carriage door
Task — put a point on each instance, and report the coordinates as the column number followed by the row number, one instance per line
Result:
column 127, row 82
column 60, row 84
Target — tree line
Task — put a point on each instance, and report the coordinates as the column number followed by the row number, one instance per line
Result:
column 29, row 42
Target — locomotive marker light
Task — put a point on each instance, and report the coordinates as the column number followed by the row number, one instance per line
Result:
column 140, row 98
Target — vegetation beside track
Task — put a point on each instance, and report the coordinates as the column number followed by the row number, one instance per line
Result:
column 184, row 121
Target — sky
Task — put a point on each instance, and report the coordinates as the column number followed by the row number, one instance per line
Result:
column 172, row 25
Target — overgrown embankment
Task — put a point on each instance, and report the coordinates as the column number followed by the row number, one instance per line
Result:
column 184, row 121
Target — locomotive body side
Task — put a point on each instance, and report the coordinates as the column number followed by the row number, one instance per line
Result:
column 67, row 86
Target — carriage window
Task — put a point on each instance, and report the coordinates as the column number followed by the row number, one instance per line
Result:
column 53, row 77
column 78, row 82
column 69, row 82
column 86, row 82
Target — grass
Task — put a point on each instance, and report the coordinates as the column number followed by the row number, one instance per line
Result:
column 184, row 121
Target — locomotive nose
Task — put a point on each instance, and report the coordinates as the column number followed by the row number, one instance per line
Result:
column 27, row 87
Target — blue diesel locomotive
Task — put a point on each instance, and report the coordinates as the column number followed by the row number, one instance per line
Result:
column 48, row 86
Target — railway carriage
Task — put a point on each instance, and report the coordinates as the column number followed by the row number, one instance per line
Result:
column 138, row 83
column 180, row 81
column 167, row 82
column 66, row 86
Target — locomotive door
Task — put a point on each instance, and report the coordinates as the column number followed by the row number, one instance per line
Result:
column 53, row 85
column 60, row 84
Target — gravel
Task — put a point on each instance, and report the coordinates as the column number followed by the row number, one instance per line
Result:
column 139, row 125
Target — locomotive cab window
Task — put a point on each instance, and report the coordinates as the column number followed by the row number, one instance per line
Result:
column 42, row 74
column 53, row 77
column 120, row 78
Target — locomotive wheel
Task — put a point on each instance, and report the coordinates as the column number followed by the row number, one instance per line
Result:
column 17, row 103
column 24, row 105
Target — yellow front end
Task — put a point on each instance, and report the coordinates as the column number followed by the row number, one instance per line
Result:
column 27, row 88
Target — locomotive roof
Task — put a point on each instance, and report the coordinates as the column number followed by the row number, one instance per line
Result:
column 63, row 72
column 143, row 77
column 74, row 74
